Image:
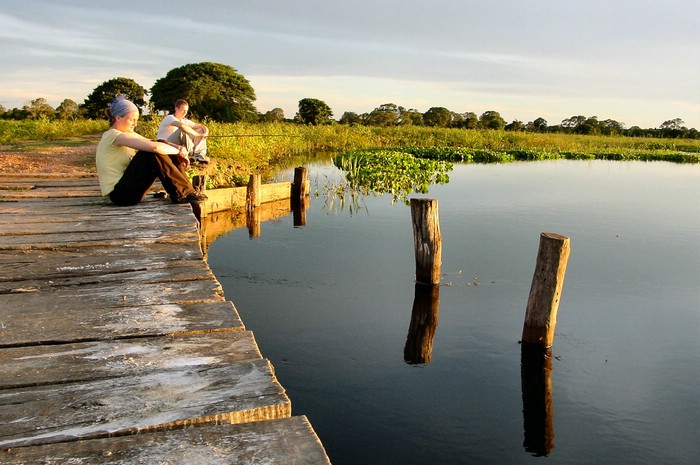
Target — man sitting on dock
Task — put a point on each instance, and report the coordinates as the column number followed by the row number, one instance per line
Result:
column 176, row 128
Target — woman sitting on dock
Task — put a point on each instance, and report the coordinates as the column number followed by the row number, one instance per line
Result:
column 128, row 164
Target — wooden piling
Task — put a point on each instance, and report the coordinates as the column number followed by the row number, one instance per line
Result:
column 299, row 184
column 545, row 291
column 253, row 192
column 427, row 240
column 299, row 196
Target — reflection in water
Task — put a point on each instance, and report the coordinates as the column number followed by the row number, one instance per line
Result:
column 538, row 415
column 299, row 207
column 253, row 221
column 220, row 223
column 424, row 320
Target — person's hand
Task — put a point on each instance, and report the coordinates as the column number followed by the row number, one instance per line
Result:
column 182, row 153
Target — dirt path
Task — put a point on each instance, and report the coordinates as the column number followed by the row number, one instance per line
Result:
column 29, row 158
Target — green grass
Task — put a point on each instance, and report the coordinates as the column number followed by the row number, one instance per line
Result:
column 241, row 149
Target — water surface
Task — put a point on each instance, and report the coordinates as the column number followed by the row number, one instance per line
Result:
column 330, row 305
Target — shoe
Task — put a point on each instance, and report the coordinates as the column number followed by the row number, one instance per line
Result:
column 194, row 197
column 199, row 158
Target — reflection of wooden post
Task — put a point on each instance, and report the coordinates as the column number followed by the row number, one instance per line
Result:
column 538, row 415
column 253, row 222
column 299, row 211
column 545, row 291
column 424, row 320
column 253, row 192
column 299, row 184
column 427, row 240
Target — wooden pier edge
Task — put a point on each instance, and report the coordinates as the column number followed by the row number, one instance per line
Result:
column 117, row 344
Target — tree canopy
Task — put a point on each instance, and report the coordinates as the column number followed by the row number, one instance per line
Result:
column 97, row 103
column 314, row 112
column 39, row 108
column 213, row 91
column 439, row 117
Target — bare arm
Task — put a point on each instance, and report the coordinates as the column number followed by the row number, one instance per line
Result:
column 138, row 142
column 194, row 130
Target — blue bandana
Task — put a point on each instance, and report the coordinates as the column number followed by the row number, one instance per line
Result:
column 120, row 106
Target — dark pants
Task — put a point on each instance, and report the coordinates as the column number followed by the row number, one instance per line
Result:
column 142, row 172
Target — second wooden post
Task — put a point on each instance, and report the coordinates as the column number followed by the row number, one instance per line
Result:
column 427, row 240
column 545, row 291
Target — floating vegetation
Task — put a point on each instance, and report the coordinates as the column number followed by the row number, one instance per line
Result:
column 472, row 155
column 395, row 172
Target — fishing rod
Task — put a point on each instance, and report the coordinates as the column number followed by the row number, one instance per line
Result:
column 249, row 135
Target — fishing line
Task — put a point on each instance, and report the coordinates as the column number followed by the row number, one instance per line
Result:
column 249, row 135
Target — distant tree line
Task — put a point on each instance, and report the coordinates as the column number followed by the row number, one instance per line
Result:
column 218, row 92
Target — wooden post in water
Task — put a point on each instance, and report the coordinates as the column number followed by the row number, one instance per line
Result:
column 427, row 240
column 253, row 192
column 299, row 184
column 545, row 291
column 299, row 196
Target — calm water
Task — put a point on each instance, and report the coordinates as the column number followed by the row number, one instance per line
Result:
column 330, row 304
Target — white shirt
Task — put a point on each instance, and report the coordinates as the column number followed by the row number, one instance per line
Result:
column 166, row 128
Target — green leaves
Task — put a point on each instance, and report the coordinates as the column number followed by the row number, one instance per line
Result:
column 394, row 172
column 213, row 90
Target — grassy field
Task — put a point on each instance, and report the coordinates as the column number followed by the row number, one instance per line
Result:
column 240, row 149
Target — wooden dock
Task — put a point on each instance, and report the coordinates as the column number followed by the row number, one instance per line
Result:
column 117, row 344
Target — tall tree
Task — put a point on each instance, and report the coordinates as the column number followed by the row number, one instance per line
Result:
column 67, row 109
column 516, row 125
column 350, row 118
column 540, row 124
column 314, row 112
column 439, row 117
column 97, row 103
column 276, row 115
column 384, row 115
column 491, row 120
column 410, row 117
column 39, row 108
column 213, row 90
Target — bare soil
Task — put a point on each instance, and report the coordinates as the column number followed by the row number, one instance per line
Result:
column 45, row 158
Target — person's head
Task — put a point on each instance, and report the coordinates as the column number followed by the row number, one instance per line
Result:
column 181, row 108
column 123, row 114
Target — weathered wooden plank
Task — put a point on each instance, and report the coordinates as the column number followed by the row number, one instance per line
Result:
column 31, row 177
column 234, row 393
column 274, row 442
column 117, row 293
column 49, row 224
column 65, row 262
column 188, row 271
column 47, row 193
column 97, row 205
column 77, row 322
column 103, row 238
column 85, row 361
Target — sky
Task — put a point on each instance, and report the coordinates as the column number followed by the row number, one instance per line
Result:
column 636, row 62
